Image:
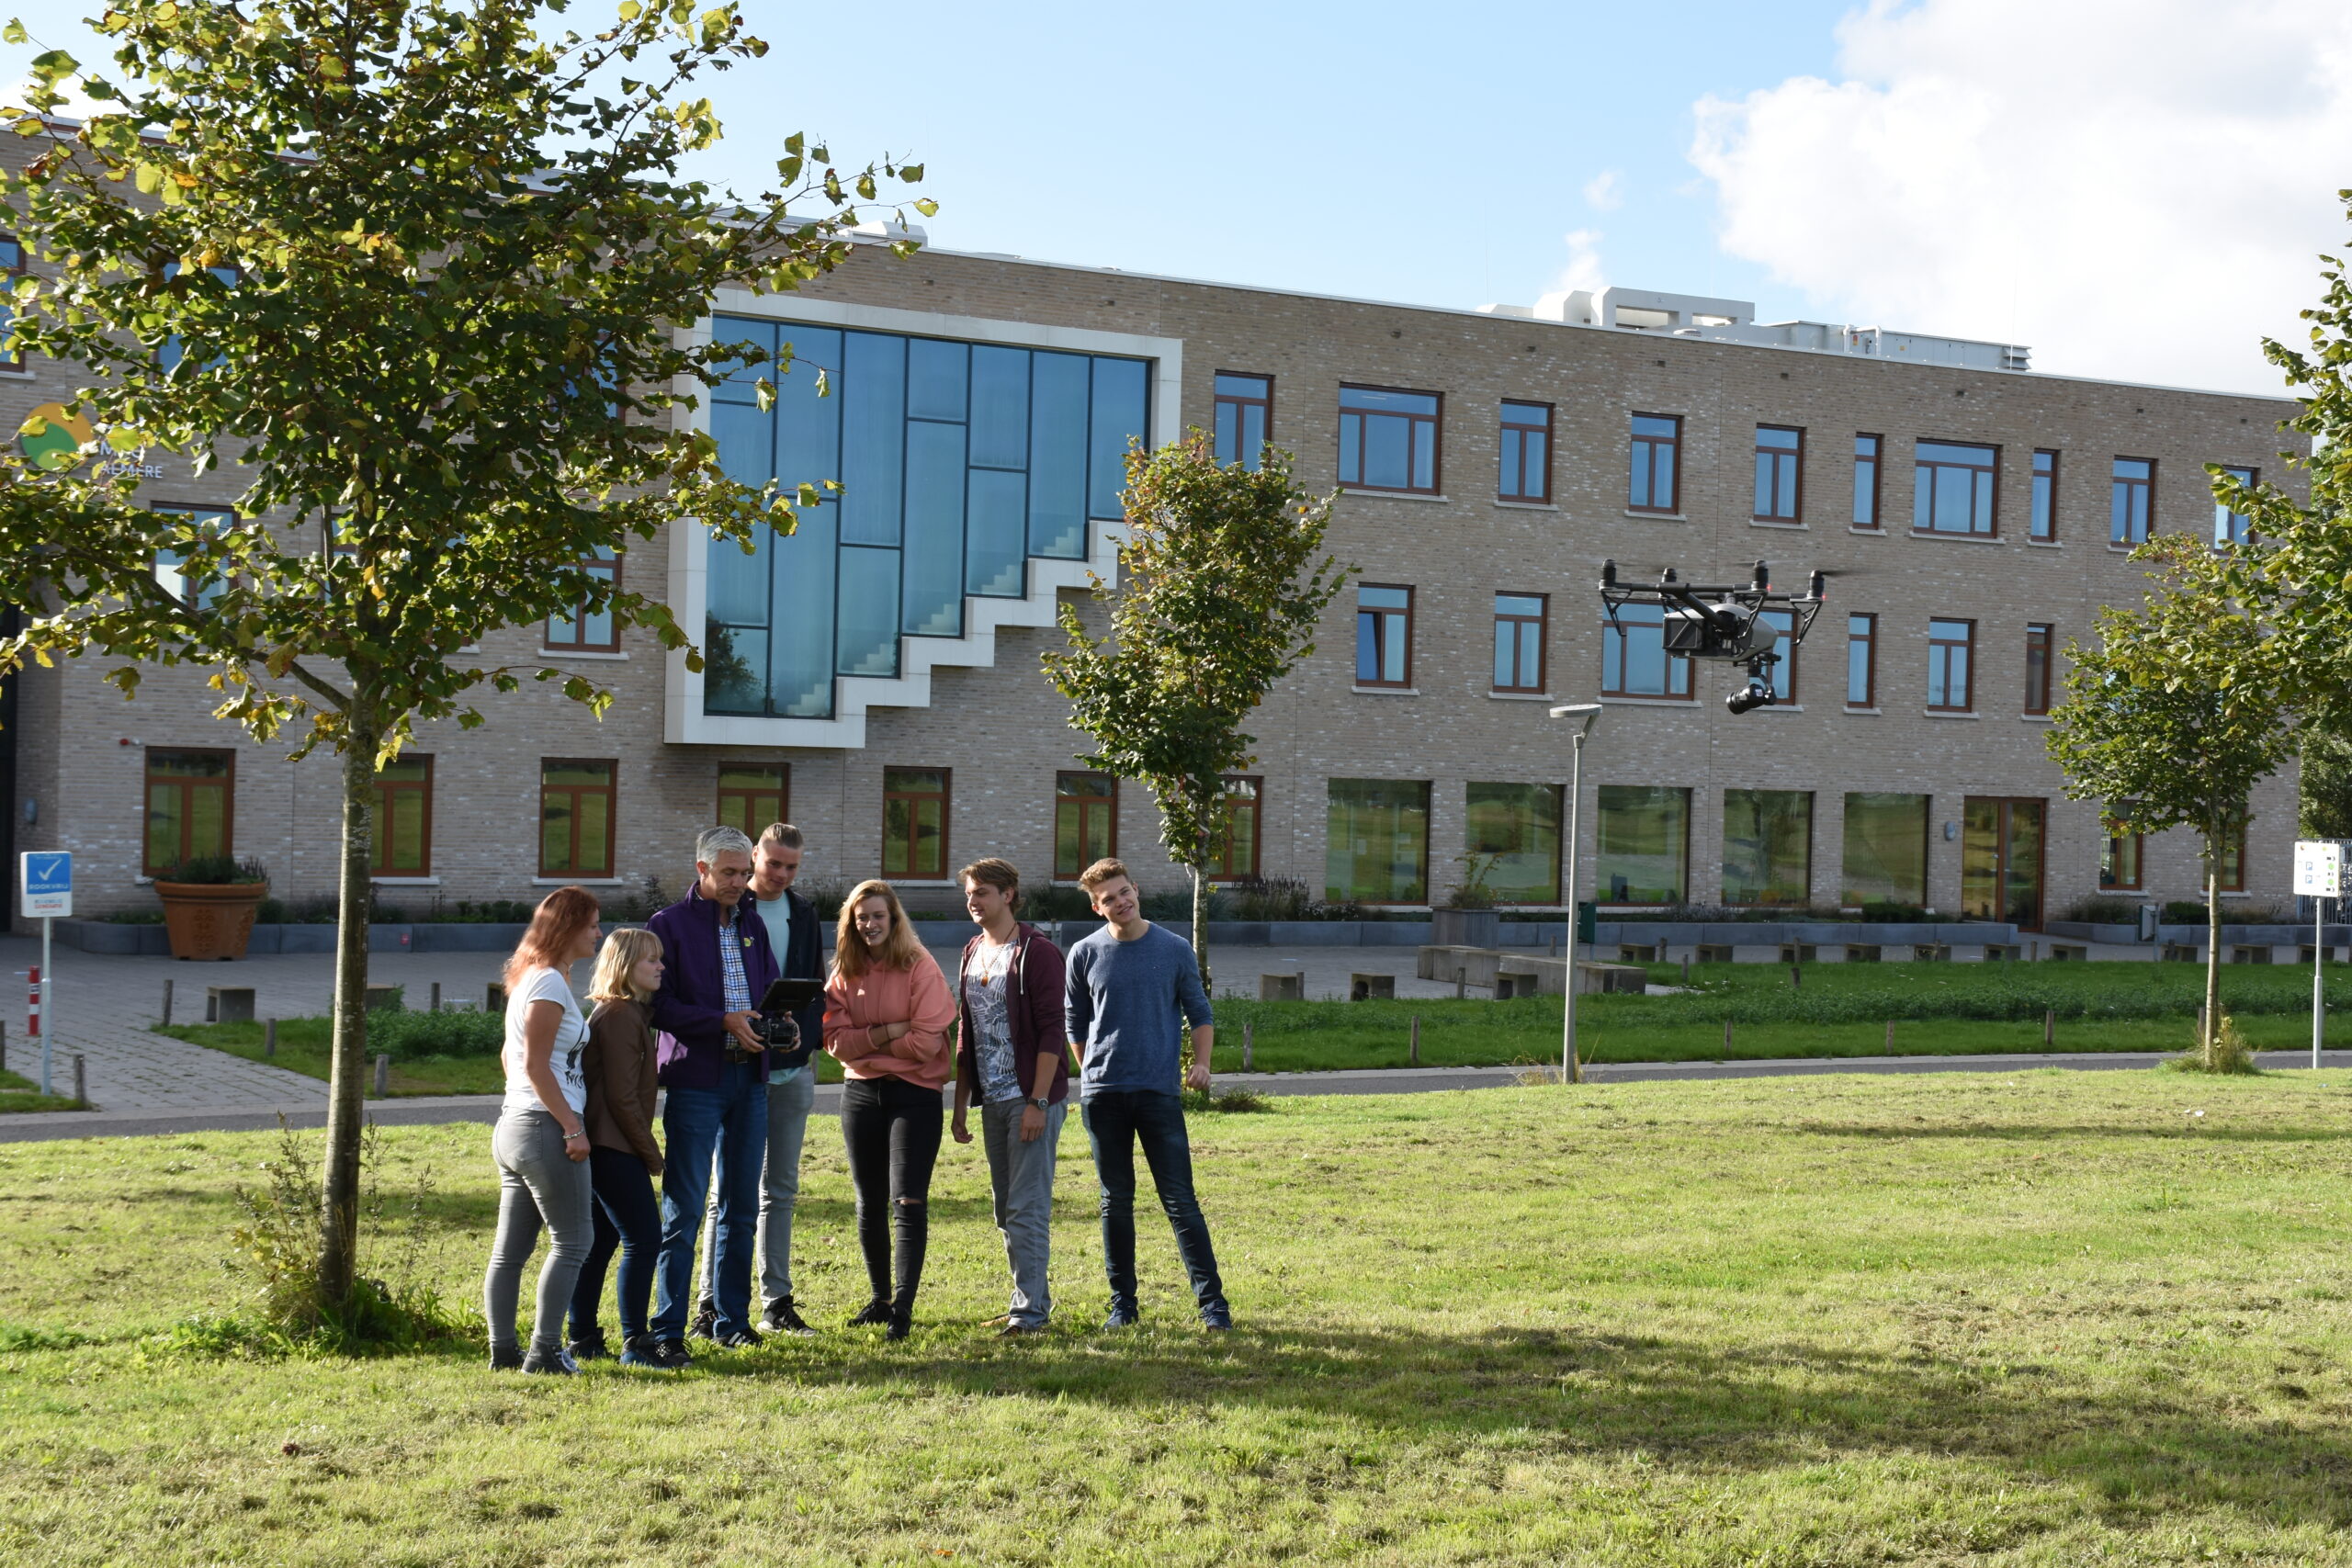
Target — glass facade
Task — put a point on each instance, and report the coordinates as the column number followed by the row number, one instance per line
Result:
column 1377, row 848
column 1642, row 844
column 1768, row 846
column 958, row 462
column 1886, row 849
column 1519, row 825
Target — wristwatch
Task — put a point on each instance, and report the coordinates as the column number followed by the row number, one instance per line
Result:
column 1041, row 1103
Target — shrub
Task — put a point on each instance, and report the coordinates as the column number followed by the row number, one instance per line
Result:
column 2104, row 910
column 1056, row 901
column 2228, row 1056
column 214, row 871
column 405, row 1036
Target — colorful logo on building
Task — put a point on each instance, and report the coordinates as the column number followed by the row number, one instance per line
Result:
column 62, row 436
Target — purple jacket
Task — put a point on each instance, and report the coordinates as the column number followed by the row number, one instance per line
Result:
column 690, row 1005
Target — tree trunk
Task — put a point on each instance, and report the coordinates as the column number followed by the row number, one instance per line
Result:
column 2212, row 948
column 339, row 1197
column 1200, row 940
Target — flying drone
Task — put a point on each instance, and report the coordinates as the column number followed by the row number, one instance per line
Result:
column 1704, row 621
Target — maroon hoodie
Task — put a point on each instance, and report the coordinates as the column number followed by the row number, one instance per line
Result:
column 1034, row 984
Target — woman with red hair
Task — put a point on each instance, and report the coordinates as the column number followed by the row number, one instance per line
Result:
column 540, row 1144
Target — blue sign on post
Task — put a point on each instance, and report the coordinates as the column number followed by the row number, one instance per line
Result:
column 46, row 879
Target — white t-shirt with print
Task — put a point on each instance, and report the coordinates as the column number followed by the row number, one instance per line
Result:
column 571, row 1038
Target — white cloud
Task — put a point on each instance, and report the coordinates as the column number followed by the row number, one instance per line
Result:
column 1601, row 192
column 1583, row 271
column 2137, row 188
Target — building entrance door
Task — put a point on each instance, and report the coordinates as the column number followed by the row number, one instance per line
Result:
column 2000, row 860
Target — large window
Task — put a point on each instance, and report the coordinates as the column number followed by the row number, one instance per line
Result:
column 1768, row 846
column 575, row 819
column 2131, row 500
column 1886, row 849
column 1642, row 844
column 2230, row 874
column 1518, row 826
column 1633, row 660
column 190, row 797
column 914, row 822
column 1383, row 635
column 1389, row 440
column 202, row 589
column 2233, row 527
column 1234, row 856
column 1377, row 851
column 1656, row 469
column 1867, row 449
column 403, row 816
column 583, row 629
column 960, row 461
column 1779, row 474
column 1861, row 662
column 752, row 796
column 1950, row 648
column 1244, row 418
column 2118, row 861
column 1518, row 642
column 1086, row 821
column 1953, row 489
column 2044, row 525
column 1526, row 453
column 2039, row 637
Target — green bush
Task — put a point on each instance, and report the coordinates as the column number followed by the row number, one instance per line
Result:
column 2102, row 910
column 213, row 871
column 405, row 1036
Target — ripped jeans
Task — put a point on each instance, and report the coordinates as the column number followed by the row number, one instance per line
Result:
column 891, row 1129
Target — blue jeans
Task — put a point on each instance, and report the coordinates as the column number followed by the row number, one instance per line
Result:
column 1117, row 1120
column 732, row 1122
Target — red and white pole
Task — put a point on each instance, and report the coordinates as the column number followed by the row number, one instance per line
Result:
column 35, row 1026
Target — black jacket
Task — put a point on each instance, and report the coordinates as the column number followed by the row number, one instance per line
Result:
column 805, row 962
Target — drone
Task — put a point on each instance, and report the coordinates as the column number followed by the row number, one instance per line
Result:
column 1704, row 621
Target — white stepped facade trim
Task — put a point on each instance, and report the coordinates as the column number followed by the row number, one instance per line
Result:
column 686, row 724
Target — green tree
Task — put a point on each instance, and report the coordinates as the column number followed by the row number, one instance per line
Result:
column 417, row 276
column 1220, row 590
column 2175, row 716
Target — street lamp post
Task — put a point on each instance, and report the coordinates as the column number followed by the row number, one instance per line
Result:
column 1571, row 1068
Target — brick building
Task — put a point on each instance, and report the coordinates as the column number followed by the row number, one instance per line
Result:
column 876, row 677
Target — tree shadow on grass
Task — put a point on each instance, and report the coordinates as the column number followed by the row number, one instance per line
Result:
column 2137, row 1448
column 2011, row 1132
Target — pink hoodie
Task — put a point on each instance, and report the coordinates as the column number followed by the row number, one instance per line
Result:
column 918, row 996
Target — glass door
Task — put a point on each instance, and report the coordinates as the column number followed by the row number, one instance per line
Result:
column 2000, row 860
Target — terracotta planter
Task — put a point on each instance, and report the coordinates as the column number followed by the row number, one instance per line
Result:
column 210, row 921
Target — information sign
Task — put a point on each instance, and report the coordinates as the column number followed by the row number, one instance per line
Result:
column 46, row 880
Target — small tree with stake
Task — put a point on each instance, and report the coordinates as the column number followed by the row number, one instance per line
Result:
column 1220, row 591
column 418, row 276
column 2174, row 717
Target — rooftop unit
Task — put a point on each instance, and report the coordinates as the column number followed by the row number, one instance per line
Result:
column 1734, row 321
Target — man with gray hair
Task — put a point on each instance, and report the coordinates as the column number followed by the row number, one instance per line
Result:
column 717, row 963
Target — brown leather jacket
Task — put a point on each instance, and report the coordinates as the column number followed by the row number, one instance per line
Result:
column 619, row 1065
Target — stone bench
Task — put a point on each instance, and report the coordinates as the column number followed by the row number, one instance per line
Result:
column 228, row 1003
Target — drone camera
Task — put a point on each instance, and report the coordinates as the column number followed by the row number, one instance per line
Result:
column 1754, row 694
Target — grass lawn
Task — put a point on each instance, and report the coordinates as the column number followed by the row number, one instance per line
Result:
column 2040, row 1318
column 20, row 1093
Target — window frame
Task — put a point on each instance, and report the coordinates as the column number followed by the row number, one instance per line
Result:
column 2041, row 659
column 1226, row 871
column 1381, row 615
column 1992, row 529
column 1506, row 428
column 2242, row 529
column 1672, row 443
column 1086, row 804
column 611, row 569
column 194, row 513
column 1428, row 823
column 2232, row 839
column 1776, row 456
column 1616, row 629
column 1784, row 679
column 2041, row 511
column 945, row 796
column 1967, row 646
column 611, row 791
column 1542, row 621
column 2120, row 487
column 181, row 786
column 8, row 274
column 1219, row 399
column 1436, row 421
column 727, row 792
column 1876, row 459
column 1558, row 828
column 2110, row 855
column 1805, row 893
column 385, row 789
column 1869, row 639
column 1681, row 893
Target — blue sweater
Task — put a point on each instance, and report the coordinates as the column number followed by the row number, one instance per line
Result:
column 1129, row 1003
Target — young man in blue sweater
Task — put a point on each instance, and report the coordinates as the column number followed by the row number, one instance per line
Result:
column 1133, row 989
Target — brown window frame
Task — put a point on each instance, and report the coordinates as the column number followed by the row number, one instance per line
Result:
column 945, row 796
column 1992, row 517
column 1506, row 427
column 1673, row 661
column 2233, row 837
column 2124, row 484
column 1382, row 612
column 1542, row 621
column 2110, row 853
column 2040, row 655
column 611, row 791
column 1085, row 804
column 1436, row 421
column 1776, row 455
column 150, row 868
column 2252, row 476
column 385, row 788
column 11, row 361
column 1876, row 459
column 2042, row 506
column 579, row 618
column 1968, row 647
column 1869, row 639
column 1218, row 398
column 1222, row 868
column 1673, row 445
column 752, row 825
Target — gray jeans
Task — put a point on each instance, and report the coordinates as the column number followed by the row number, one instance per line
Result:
column 1023, row 1177
column 536, row 1185
column 789, row 1102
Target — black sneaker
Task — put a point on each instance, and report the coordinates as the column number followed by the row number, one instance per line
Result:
column 705, row 1320
column 903, row 1323
column 876, row 1311
column 1218, row 1318
column 742, row 1339
column 589, row 1346
column 644, row 1350
column 505, row 1358
column 781, row 1319
column 1122, row 1317
column 672, row 1354
column 553, row 1364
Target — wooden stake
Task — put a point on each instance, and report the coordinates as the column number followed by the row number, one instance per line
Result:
column 1413, row 1050
column 436, row 998
column 1249, row 1033
column 384, row 1076
column 81, row 1086
column 269, row 1037
column 1726, row 1037
column 2049, row 1027
column 1890, row 1037
column 167, row 1005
